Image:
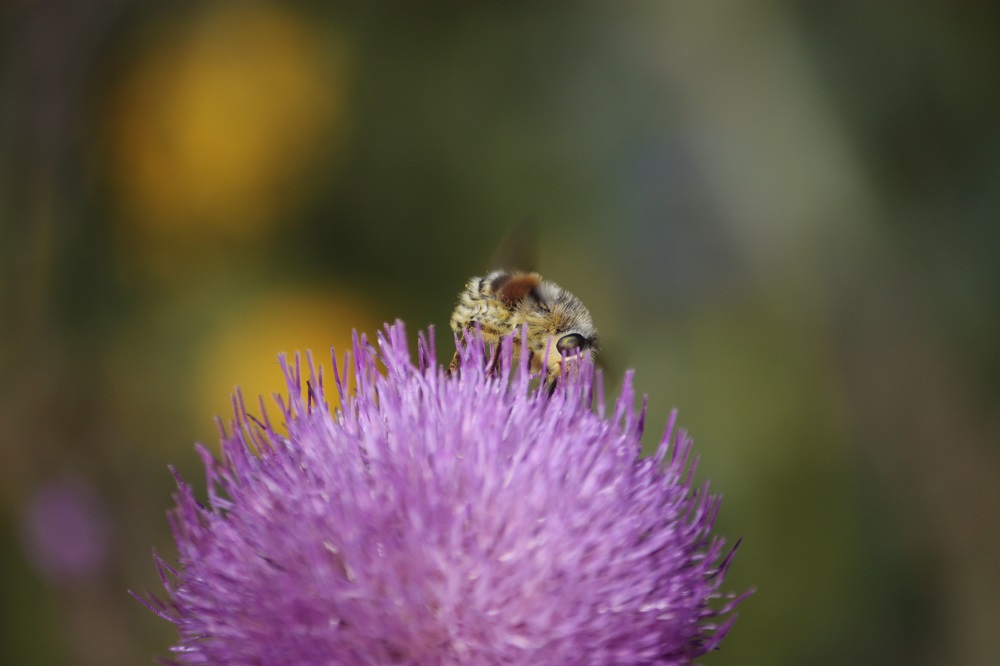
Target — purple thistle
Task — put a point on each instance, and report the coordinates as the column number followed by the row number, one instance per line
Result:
column 471, row 519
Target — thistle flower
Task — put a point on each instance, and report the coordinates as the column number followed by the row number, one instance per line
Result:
column 471, row 519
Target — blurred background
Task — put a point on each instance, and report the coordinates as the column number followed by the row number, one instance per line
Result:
column 784, row 215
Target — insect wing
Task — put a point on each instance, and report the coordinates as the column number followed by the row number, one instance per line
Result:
column 518, row 249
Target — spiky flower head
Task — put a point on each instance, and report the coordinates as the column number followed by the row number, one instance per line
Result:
column 470, row 519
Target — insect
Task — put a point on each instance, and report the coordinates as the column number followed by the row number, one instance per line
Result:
column 502, row 302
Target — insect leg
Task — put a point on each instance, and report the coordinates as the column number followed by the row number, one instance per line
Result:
column 491, row 367
column 453, row 366
column 460, row 344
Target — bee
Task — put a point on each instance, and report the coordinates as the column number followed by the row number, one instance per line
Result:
column 502, row 302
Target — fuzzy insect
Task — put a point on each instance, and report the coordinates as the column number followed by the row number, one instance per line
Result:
column 501, row 303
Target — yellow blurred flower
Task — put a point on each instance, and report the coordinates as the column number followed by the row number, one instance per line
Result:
column 243, row 351
column 215, row 126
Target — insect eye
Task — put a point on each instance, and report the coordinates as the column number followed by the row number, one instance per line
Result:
column 570, row 343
